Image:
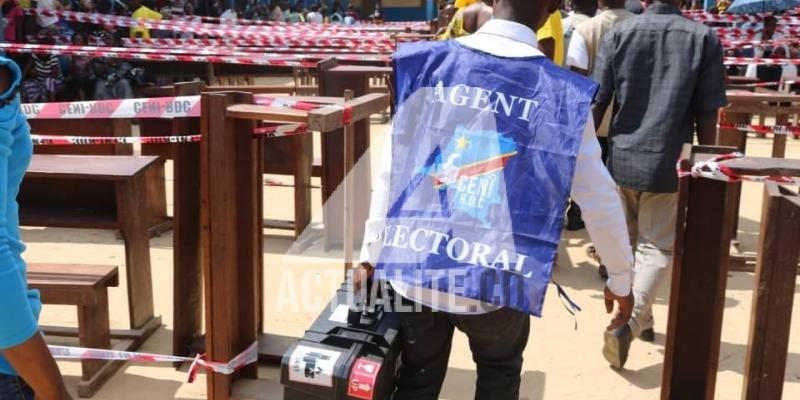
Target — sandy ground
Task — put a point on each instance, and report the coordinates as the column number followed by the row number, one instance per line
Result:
column 560, row 362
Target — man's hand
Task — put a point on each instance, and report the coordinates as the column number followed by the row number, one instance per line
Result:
column 625, row 308
column 361, row 274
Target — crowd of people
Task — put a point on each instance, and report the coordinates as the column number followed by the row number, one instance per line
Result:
column 456, row 21
column 48, row 77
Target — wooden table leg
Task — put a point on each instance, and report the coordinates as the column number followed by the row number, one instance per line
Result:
column 132, row 216
column 738, row 139
column 94, row 332
column 697, row 297
column 231, row 250
column 333, row 162
column 187, row 279
column 304, row 161
column 771, row 316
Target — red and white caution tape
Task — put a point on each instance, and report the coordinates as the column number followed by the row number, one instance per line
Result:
column 709, row 17
column 247, row 357
column 739, row 32
column 769, row 84
column 55, row 140
column 200, row 28
column 760, row 61
column 347, row 111
column 227, row 46
column 283, row 60
column 277, row 41
column 714, row 169
column 281, row 130
column 764, row 129
column 758, row 43
column 156, row 107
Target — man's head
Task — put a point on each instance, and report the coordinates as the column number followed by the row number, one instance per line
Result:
column 611, row 4
column 585, row 7
column 532, row 13
column 770, row 25
column 135, row 4
column 676, row 3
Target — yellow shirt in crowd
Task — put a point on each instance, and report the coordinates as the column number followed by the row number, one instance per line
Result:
column 144, row 13
column 455, row 28
column 552, row 29
column 464, row 3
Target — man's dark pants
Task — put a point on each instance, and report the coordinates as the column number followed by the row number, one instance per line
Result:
column 496, row 339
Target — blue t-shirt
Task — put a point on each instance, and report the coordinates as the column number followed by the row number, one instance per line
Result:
column 19, row 306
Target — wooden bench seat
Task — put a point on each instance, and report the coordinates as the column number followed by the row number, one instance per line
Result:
column 127, row 175
column 85, row 286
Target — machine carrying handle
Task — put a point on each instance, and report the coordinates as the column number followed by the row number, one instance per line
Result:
column 376, row 345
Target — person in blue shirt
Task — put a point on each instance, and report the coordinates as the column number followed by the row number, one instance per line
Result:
column 27, row 368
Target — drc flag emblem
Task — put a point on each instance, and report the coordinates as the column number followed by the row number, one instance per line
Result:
column 470, row 170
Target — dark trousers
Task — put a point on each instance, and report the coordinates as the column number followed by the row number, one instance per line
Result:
column 496, row 339
column 14, row 388
column 604, row 148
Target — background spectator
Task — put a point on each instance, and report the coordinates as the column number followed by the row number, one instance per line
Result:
column 13, row 15
column 80, row 70
column 315, row 16
column 46, row 77
column 143, row 13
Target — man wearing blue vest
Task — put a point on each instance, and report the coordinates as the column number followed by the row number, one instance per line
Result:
column 489, row 141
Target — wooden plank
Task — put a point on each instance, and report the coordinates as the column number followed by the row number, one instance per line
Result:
column 331, row 118
column 349, row 190
column 248, row 197
column 779, row 146
column 737, row 139
column 303, row 158
column 760, row 109
column 255, row 89
column 256, row 112
column 218, row 239
column 94, row 333
column 72, row 275
column 132, row 216
column 333, row 82
column 771, row 315
column 114, row 168
column 697, row 297
column 764, row 166
column 67, row 216
column 187, row 283
column 231, row 252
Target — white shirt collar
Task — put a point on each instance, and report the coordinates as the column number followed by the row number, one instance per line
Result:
column 503, row 38
column 509, row 29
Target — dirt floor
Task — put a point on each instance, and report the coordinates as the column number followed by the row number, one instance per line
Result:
column 560, row 361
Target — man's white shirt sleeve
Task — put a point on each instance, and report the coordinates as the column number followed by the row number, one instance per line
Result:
column 596, row 193
column 577, row 54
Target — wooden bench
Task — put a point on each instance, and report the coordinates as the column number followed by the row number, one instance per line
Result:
column 85, row 286
column 128, row 175
column 95, row 197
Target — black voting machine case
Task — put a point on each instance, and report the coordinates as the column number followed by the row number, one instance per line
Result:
column 348, row 353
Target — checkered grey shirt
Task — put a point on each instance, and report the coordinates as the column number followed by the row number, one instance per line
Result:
column 664, row 70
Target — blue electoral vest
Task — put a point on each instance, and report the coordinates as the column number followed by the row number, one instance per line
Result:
column 483, row 156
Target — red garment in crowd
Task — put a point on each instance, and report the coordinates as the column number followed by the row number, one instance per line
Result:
column 14, row 16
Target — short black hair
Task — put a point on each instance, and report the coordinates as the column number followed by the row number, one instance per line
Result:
column 770, row 19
